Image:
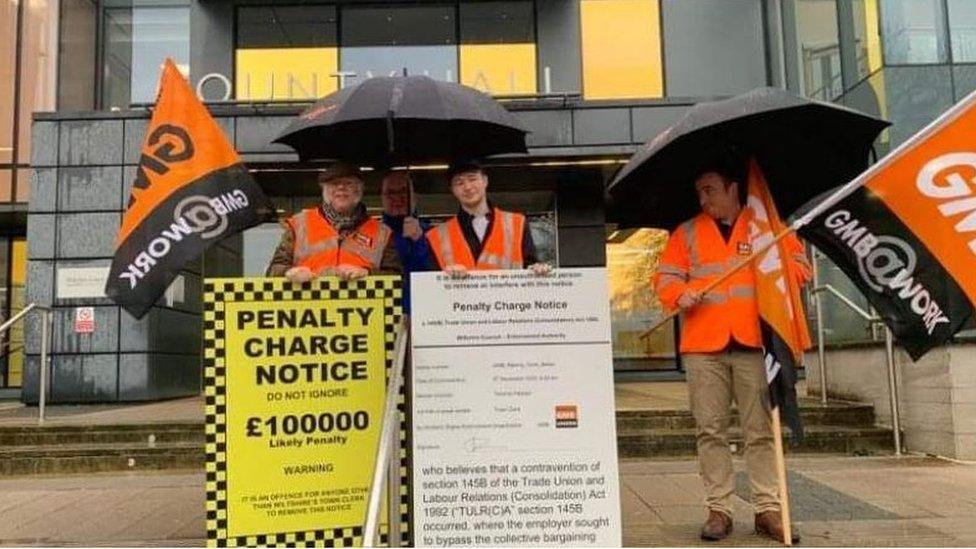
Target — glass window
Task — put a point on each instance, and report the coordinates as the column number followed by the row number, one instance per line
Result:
column 380, row 40
column 6, row 184
column 964, row 79
column 818, row 49
column 76, row 55
column 632, row 257
column 286, row 52
column 285, row 73
column 498, row 53
column 914, row 32
column 137, row 41
column 702, row 58
column 18, row 300
column 962, row 25
column 8, row 52
column 23, row 180
column 915, row 97
column 867, row 37
column 116, row 58
column 286, row 27
column 621, row 42
column 38, row 68
column 159, row 33
column 868, row 96
column 5, row 372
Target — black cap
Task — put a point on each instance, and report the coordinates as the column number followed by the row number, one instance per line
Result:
column 339, row 170
column 461, row 166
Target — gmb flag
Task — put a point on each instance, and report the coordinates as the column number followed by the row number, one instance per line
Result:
column 782, row 323
column 190, row 191
column 905, row 231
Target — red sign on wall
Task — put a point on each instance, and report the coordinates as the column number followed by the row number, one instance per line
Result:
column 84, row 320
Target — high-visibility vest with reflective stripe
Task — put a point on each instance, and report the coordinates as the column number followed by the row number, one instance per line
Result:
column 502, row 246
column 319, row 247
column 697, row 254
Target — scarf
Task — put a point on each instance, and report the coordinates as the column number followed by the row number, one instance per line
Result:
column 344, row 223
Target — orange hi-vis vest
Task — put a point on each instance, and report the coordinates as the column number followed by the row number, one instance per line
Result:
column 697, row 254
column 318, row 245
column 502, row 246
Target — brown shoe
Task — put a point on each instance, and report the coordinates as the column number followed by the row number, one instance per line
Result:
column 717, row 527
column 770, row 525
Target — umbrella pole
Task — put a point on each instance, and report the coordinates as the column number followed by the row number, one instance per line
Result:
column 711, row 286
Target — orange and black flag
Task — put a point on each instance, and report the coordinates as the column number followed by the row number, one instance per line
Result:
column 905, row 231
column 190, row 191
column 779, row 271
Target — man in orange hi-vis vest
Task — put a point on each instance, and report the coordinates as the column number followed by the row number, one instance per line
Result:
column 480, row 237
column 720, row 345
column 336, row 238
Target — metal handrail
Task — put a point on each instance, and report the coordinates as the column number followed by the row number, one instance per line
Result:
column 889, row 349
column 46, row 316
column 10, row 322
column 847, row 301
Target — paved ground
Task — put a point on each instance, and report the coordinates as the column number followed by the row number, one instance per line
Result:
column 839, row 501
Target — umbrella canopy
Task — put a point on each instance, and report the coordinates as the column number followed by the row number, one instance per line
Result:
column 804, row 148
column 404, row 119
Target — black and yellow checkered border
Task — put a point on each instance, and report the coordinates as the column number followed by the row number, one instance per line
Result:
column 217, row 292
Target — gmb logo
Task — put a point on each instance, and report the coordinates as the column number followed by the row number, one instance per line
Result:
column 201, row 216
column 882, row 264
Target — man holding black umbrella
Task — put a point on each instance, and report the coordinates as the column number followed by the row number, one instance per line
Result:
column 480, row 237
column 720, row 346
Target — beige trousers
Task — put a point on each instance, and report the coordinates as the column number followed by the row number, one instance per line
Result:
column 714, row 379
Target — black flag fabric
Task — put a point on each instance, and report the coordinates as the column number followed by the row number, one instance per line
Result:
column 782, row 322
column 191, row 190
column 892, row 266
column 905, row 232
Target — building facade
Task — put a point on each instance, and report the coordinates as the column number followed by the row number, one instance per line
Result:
column 590, row 79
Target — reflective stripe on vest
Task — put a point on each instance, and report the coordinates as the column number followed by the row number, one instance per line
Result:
column 451, row 248
column 364, row 247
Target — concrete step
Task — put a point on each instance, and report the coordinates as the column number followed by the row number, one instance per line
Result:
column 670, row 442
column 101, row 434
column 838, row 414
column 89, row 458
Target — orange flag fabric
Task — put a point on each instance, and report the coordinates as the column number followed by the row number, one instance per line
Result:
column 778, row 272
column 191, row 190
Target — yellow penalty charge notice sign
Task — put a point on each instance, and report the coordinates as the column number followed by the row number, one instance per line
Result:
column 295, row 385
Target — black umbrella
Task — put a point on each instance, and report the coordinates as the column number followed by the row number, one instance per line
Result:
column 804, row 148
column 403, row 119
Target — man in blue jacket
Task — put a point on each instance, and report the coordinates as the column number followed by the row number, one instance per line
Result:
column 408, row 231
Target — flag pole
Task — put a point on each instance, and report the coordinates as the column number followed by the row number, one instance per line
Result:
column 784, row 494
column 841, row 193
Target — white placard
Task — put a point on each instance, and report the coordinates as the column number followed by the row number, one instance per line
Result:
column 81, row 282
column 514, row 437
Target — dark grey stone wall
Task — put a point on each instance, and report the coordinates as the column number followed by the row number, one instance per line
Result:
column 83, row 169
